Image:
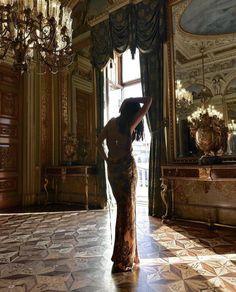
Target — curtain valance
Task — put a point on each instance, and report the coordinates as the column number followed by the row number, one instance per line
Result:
column 132, row 26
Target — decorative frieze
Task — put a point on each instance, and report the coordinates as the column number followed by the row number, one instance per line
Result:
column 8, row 131
column 7, row 185
column 8, row 105
column 8, row 156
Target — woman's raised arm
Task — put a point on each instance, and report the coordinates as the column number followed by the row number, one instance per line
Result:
column 147, row 101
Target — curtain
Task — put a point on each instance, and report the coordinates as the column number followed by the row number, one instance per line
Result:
column 152, row 84
column 102, row 45
column 140, row 26
column 100, row 123
column 151, row 35
column 115, row 33
column 121, row 28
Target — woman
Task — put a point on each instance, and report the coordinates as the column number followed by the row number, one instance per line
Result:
column 119, row 134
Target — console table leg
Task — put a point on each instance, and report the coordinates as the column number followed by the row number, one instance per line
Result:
column 164, row 184
column 46, row 190
column 86, row 188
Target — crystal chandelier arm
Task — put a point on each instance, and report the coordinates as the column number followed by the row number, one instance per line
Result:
column 56, row 66
column 56, row 62
column 58, row 42
column 36, row 28
column 45, row 35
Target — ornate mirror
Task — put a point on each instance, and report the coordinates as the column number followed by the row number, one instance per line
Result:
column 202, row 59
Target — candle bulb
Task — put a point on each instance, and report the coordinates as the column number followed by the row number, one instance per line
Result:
column 38, row 33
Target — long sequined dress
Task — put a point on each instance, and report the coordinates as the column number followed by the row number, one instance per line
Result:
column 122, row 176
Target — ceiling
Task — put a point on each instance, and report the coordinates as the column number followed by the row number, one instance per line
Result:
column 200, row 17
column 209, row 17
column 204, row 32
column 83, row 10
column 198, row 23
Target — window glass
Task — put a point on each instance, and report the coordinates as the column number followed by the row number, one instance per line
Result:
column 134, row 90
column 130, row 68
column 114, row 103
column 112, row 71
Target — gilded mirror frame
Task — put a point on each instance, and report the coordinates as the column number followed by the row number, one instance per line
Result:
column 171, row 105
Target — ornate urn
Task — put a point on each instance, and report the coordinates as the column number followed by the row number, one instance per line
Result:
column 70, row 148
column 209, row 130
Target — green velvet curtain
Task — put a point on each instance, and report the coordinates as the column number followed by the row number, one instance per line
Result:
column 116, row 33
column 150, row 25
column 100, row 123
column 139, row 26
column 102, row 45
column 152, row 85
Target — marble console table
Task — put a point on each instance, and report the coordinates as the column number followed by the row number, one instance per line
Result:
column 204, row 173
column 63, row 172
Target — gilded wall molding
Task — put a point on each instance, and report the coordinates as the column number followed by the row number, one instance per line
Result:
column 30, row 181
column 46, row 107
column 64, row 104
column 82, row 76
column 78, row 82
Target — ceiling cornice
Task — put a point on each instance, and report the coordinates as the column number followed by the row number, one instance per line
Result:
column 116, row 4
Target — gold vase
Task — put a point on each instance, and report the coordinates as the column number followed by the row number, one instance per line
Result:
column 208, row 140
column 210, row 134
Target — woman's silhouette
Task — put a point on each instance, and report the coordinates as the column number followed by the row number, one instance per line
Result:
column 119, row 134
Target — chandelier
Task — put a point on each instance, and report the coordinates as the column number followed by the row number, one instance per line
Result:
column 38, row 30
column 210, row 111
column 208, row 128
column 182, row 95
column 206, row 108
column 184, row 100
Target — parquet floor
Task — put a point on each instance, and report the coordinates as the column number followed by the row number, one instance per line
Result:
column 70, row 251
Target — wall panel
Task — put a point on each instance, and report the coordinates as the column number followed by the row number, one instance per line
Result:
column 9, row 138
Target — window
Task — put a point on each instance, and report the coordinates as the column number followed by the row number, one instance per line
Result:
column 130, row 67
column 123, row 81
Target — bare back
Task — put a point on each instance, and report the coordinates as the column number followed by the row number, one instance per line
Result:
column 119, row 145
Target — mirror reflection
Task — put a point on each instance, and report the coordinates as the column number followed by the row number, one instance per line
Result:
column 204, row 47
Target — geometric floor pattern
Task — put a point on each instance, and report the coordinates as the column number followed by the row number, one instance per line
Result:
column 71, row 251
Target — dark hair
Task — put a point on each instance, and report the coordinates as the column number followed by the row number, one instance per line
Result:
column 127, row 114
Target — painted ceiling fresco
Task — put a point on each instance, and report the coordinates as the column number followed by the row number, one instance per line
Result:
column 210, row 17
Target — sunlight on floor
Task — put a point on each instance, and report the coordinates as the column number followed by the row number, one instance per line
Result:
column 71, row 251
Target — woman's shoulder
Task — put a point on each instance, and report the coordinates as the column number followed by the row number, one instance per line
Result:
column 111, row 122
column 112, row 119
